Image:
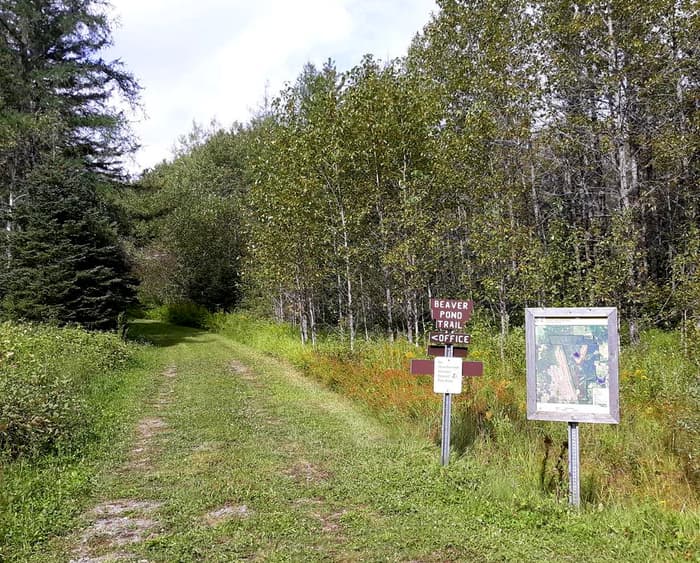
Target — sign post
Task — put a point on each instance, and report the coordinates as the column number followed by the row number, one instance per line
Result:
column 448, row 369
column 447, row 380
column 574, row 465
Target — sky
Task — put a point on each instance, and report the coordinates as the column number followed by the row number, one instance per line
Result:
column 217, row 59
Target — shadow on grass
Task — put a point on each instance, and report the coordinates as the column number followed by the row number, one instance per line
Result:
column 162, row 334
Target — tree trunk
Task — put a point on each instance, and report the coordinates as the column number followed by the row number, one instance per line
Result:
column 8, row 229
column 505, row 320
column 389, row 309
column 363, row 302
column 312, row 321
column 388, row 299
column 348, row 283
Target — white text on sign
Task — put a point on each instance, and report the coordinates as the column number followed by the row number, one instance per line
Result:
column 451, row 310
column 450, row 338
column 453, row 304
column 449, row 325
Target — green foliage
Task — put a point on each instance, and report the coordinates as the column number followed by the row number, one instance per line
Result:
column 184, row 313
column 65, row 263
column 50, row 385
column 521, row 154
column 62, row 137
column 45, row 489
column 51, row 55
column 189, row 222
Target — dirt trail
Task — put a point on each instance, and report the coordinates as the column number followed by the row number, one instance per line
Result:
column 116, row 524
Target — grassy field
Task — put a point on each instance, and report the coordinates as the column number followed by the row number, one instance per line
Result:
column 233, row 455
column 652, row 456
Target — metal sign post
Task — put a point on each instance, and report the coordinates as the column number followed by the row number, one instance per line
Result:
column 447, row 367
column 446, row 419
column 446, row 429
column 574, row 482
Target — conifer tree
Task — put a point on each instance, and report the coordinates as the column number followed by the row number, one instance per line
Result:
column 61, row 140
column 66, row 265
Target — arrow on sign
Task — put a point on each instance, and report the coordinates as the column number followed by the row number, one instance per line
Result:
column 449, row 339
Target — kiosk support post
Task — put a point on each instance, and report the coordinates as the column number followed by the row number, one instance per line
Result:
column 574, row 483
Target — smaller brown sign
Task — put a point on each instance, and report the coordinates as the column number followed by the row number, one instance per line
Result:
column 422, row 367
column 427, row 367
column 440, row 351
column 472, row 369
column 449, row 338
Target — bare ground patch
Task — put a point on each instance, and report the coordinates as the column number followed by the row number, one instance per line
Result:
column 241, row 370
column 214, row 517
column 331, row 523
column 121, row 507
column 142, row 450
column 150, row 426
column 306, row 472
column 164, row 397
column 115, row 525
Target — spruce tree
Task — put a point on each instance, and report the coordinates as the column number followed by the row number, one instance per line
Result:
column 66, row 265
column 61, row 141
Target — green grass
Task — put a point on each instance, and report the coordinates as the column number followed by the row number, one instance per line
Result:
column 310, row 476
column 42, row 494
column 652, row 456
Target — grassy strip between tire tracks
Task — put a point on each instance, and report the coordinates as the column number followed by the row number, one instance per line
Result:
column 238, row 457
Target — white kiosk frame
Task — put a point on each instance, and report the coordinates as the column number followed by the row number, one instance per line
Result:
column 572, row 357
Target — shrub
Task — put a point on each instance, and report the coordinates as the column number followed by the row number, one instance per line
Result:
column 49, row 379
column 184, row 313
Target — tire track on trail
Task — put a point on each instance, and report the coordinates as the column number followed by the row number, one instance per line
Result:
column 116, row 524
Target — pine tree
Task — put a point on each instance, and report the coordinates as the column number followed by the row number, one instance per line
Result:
column 61, row 140
column 66, row 265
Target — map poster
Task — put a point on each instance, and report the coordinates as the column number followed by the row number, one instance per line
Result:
column 572, row 364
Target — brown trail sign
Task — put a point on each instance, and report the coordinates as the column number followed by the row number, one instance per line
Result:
column 427, row 367
column 448, row 314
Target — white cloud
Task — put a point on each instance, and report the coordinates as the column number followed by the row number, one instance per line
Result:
column 213, row 58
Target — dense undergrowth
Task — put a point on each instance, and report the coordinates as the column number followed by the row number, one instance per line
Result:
column 63, row 400
column 653, row 455
column 52, row 382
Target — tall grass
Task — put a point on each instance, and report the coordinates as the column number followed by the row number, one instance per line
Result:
column 652, row 455
column 52, row 381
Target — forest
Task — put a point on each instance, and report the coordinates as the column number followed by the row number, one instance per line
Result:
column 520, row 154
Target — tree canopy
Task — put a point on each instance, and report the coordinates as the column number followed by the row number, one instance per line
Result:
column 520, row 154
